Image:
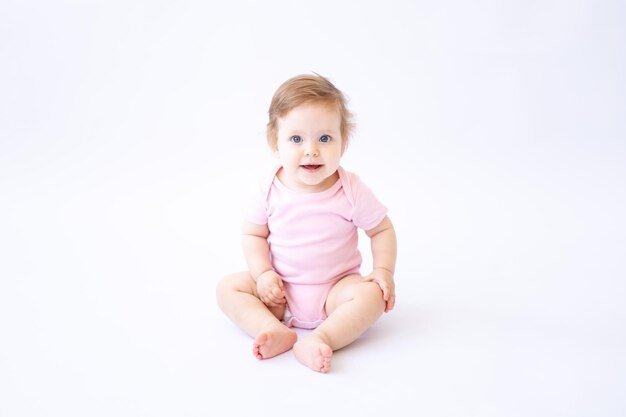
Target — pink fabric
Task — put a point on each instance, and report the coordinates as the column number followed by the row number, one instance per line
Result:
column 313, row 238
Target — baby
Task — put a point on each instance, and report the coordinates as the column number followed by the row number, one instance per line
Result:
column 300, row 236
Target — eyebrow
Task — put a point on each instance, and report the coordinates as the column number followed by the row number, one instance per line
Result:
column 320, row 132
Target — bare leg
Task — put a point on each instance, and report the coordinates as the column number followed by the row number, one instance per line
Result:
column 237, row 297
column 352, row 307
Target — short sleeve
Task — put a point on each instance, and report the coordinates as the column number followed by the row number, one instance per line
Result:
column 256, row 210
column 368, row 211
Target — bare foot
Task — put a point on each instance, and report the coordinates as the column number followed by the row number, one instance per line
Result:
column 313, row 352
column 273, row 342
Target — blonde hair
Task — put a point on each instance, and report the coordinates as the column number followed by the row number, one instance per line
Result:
column 303, row 89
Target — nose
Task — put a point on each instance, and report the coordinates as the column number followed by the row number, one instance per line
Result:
column 311, row 150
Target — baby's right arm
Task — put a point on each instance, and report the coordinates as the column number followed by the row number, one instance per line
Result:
column 256, row 250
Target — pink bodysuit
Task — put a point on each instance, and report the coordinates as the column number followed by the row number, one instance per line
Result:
column 313, row 239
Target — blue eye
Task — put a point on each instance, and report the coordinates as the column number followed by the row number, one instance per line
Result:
column 296, row 139
column 325, row 138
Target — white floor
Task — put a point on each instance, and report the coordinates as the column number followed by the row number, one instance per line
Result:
column 493, row 132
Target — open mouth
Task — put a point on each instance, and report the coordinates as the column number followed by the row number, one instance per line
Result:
column 311, row 167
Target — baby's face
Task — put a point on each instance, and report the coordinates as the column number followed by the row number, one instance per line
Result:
column 309, row 147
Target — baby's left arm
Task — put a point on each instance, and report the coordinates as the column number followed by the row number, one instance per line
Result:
column 384, row 249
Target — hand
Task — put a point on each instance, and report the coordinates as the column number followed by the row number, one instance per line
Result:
column 384, row 278
column 269, row 287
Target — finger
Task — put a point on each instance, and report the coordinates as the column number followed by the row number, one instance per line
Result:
column 383, row 286
column 391, row 303
column 277, row 294
column 271, row 302
column 280, row 298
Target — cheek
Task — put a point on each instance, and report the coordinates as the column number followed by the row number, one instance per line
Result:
column 285, row 155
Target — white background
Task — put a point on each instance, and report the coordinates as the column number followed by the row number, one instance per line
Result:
column 494, row 131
